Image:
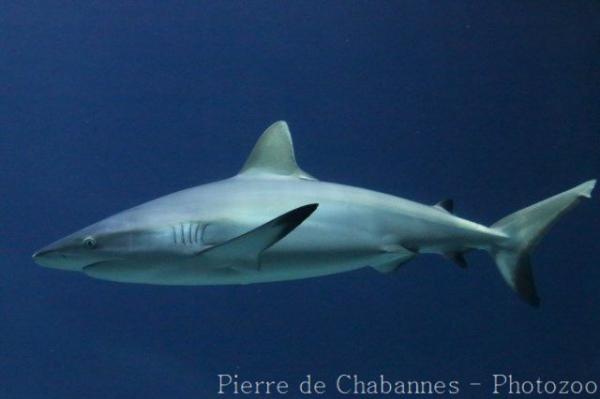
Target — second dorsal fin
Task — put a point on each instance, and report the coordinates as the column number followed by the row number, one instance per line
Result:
column 446, row 205
column 273, row 154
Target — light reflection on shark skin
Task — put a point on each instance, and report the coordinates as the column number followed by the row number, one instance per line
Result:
column 275, row 222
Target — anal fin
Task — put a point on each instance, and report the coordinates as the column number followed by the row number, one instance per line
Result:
column 458, row 258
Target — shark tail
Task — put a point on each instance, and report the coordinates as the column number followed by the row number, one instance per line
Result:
column 524, row 229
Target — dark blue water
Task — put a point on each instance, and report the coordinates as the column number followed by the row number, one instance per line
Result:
column 104, row 106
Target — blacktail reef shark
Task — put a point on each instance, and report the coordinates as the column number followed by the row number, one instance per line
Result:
column 273, row 222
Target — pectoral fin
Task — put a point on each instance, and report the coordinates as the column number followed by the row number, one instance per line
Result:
column 243, row 252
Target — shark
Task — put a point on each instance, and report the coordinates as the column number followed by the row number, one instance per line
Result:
column 275, row 222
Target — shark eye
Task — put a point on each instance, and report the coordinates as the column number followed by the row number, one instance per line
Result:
column 89, row 242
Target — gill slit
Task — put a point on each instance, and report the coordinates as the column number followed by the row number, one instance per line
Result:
column 196, row 232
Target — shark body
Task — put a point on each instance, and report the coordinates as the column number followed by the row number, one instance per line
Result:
column 274, row 222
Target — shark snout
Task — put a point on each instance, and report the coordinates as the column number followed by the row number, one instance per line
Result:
column 42, row 253
column 38, row 254
column 47, row 252
column 51, row 258
column 57, row 256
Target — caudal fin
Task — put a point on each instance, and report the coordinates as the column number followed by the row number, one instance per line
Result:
column 524, row 229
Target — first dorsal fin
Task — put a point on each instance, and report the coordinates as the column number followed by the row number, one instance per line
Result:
column 273, row 154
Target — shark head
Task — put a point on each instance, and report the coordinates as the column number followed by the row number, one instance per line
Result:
column 115, row 239
column 83, row 248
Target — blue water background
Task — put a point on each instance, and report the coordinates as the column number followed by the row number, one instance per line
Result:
column 104, row 105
